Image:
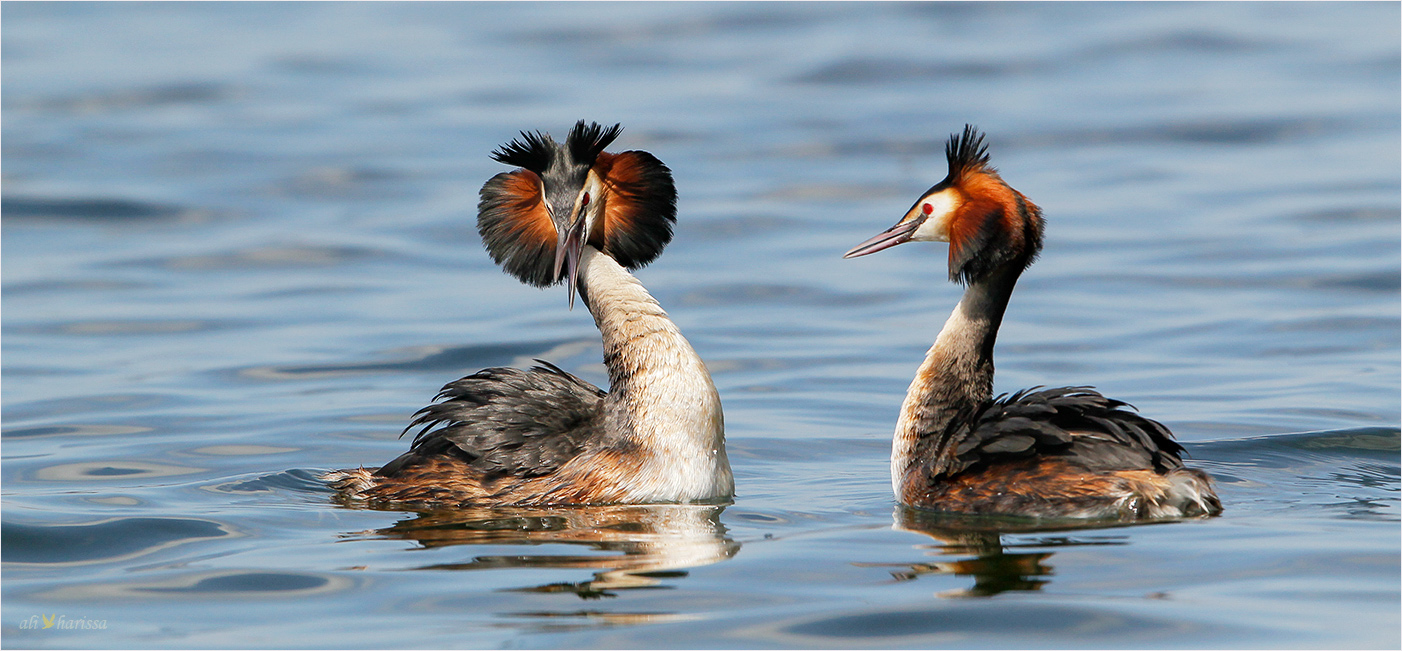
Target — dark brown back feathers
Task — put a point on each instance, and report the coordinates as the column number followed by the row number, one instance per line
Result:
column 507, row 422
column 1041, row 423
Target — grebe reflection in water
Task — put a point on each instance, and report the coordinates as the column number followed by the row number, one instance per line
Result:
column 631, row 546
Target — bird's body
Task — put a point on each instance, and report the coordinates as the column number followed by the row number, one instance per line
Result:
column 1067, row 452
column 543, row 436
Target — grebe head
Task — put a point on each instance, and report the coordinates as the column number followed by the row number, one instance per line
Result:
column 536, row 220
column 987, row 224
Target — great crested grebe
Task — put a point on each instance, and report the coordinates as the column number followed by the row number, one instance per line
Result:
column 573, row 213
column 1067, row 452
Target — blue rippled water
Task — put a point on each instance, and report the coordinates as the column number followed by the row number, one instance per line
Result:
column 239, row 249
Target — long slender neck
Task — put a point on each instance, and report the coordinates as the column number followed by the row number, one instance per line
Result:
column 957, row 372
column 661, row 397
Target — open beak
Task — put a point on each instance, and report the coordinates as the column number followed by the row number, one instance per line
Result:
column 567, row 253
column 898, row 234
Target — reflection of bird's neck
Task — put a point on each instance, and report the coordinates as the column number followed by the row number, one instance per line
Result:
column 958, row 369
column 661, row 397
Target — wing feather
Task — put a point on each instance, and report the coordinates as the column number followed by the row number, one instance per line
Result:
column 508, row 422
column 1076, row 424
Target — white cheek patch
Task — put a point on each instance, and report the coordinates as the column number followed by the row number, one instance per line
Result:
column 594, row 209
column 936, row 227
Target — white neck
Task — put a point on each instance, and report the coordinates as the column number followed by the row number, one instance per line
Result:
column 661, row 396
column 957, row 372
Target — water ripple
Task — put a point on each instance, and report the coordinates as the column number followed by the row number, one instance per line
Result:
column 104, row 210
column 117, row 469
column 421, row 359
column 173, row 94
column 250, row 584
column 103, row 541
column 267, row 257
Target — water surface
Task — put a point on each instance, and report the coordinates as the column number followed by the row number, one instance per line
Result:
column 239, row 250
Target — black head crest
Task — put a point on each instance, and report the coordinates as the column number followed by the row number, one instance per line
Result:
column 966, row 153
column 533, row 151
column 586, row 142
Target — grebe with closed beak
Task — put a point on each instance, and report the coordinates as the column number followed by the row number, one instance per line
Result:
column 577, row 214
column 1053, row 453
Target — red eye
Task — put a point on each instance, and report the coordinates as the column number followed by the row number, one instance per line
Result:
column 585, row 200
column 927, row 209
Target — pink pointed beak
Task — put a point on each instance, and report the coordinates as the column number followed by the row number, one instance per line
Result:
column 567, row 254
column 898, row 234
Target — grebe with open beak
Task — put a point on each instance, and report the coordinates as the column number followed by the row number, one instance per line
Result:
column 572, row 213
